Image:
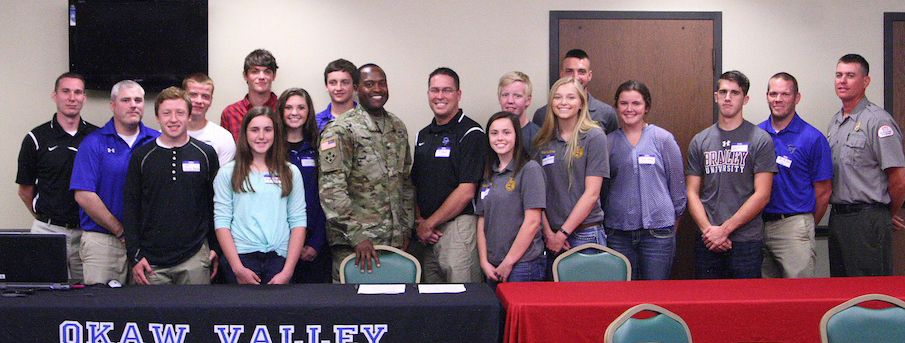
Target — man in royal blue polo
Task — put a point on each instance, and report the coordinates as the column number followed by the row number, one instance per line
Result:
column 801, row 188
column 98, row 179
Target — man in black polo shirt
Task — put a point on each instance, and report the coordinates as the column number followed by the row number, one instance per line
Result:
column 168, row 206
column 45, row 166
column 448, row 164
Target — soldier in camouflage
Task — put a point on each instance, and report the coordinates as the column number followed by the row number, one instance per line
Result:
column 365, row 187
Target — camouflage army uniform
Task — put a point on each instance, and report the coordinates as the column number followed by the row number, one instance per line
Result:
column 365, row 187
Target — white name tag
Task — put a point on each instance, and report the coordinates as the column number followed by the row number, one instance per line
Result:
column 191, row 167
column 307, row 162
column 784, row 161
column 443, row 152
column 271, row 180
column 548, row 160
column 646, row 159
column 484, row 192
column 739, row 147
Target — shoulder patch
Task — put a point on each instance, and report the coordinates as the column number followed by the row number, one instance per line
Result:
column 328, row 144
column 884, row 131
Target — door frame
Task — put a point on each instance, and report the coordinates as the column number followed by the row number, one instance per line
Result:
column 715, row 17
column 888, row 68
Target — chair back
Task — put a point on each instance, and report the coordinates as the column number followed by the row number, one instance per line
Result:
column 664, row 327
column 604, row 265
column 848, row 322
column 396, row 266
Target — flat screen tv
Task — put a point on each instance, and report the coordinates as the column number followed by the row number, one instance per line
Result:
column 154, row 42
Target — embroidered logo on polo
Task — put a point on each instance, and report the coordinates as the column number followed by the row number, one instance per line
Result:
column 111, row 150
column 731, row 160
column 445, row 140
column 579, row 151
column 510, row 185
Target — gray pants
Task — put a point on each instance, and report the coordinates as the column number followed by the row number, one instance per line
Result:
column 454, row 258
column 789, row 247
column 861, row 243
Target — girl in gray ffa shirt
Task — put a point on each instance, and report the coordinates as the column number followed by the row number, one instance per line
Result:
column 572, row 150
column 509, row 206
column 647, row 178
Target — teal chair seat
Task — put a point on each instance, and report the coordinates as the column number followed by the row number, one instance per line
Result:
column 664, row 327
column 396, row 266
column 851, row 323
column 583, row 263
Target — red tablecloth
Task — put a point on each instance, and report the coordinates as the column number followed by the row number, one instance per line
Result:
column 718, row 311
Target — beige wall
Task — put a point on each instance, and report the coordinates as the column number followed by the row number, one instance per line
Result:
column 479, row 39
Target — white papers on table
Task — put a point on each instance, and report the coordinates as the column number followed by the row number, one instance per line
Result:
column 381, row 289
column 441, row 288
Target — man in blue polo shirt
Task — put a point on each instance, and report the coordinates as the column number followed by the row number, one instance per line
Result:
column 801, row 189
column 98, row 180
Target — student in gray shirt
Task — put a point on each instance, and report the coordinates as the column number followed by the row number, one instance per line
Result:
column 729, row 178
column 509, row 206
column 572, row 150
column 647, row 180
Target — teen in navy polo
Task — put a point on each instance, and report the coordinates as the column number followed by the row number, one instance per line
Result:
column 98, row 178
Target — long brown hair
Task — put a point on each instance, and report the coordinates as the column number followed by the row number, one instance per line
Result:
column 519, row 153
column 275, row 158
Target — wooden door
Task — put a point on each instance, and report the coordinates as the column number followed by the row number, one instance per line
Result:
column 894, row 30
column 677, row 55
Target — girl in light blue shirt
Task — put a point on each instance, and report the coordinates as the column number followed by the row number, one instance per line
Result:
column 259, row 205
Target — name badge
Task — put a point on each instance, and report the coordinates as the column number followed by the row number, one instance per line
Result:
column 307, row 162
column 271, row 180
column 739, row 147
column 443, row 152
column 191, row 167
column 548, row 160
column 646, row 159
column 784, row 161
column 484, row 192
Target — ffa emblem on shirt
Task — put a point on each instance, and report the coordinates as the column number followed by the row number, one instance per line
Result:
column 510, row 185
column 579, row 151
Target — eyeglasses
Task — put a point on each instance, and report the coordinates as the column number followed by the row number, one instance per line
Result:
column 445, row 91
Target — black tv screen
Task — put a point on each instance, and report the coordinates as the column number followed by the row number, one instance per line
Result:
column 154, row 42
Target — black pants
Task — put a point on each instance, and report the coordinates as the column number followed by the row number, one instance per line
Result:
column 860, row 243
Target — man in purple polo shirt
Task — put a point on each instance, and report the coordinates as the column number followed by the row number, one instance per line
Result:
column 801, row 189
column 339, row 77
column 99, row 178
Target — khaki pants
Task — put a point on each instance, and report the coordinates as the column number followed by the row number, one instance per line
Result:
column 194, row 271
column 789, row 247
column 454, row 258
column 73, row 241
column 103, row 258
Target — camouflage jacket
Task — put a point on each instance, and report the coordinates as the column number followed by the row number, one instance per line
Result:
column 365, row 188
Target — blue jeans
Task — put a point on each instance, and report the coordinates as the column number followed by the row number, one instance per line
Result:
column 743, row 261
column 528, row 270
column 590, row 234
column 265, row 265
column 650, row 251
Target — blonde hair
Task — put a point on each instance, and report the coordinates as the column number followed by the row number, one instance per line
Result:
column 513, row 77
column 551, row 122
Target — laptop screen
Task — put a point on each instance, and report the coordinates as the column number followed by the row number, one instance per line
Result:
column 33, row 258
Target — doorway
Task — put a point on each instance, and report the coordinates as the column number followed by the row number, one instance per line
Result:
column 678, row 55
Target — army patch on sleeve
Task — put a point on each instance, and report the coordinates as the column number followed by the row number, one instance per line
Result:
column 328, row 144
column 884, row 131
